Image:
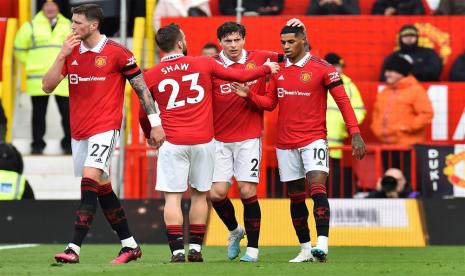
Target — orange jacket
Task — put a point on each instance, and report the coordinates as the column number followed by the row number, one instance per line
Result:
column 402, row 112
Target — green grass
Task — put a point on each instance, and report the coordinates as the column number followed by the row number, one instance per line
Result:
column 432, row 260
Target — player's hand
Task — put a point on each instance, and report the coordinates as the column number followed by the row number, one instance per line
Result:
column 274, row 66
column 157, row 137
column 241, row 90
column 358, row 146
column 295, row 22
column 71, row 41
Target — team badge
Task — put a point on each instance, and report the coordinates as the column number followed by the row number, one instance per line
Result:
column 250, row 65
column 305, row 76
column 100, row 61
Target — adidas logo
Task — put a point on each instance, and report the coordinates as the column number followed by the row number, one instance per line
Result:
column 99, row 160
column 319, row 163
column 254, row 174
column 281, row 77
column 74, row 62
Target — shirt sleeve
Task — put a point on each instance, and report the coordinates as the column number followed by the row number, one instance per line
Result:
column 274, row 56
column 333, row 84
column 269, row 100
column 239, row 75
column 127, row 64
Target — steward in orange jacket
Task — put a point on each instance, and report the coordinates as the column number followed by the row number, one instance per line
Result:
column 402, row 110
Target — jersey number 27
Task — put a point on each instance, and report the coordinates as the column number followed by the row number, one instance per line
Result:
column 172, row 102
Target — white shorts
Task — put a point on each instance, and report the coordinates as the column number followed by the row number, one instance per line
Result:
column 95, row 152
column 178, row 164
column 295, row 163
column 238, row 159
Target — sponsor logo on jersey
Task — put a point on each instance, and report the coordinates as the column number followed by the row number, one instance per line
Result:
column 74, row 63
column 225, row 88
column 98, row 160
column 75, row 79
column 131, row 61
column 100, row 61
column 283, row 92
column 254, row 174
column 319, row 163
column 305, row 76
column 250, row 65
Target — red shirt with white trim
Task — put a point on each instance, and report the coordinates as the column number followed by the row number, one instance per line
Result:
column 301, row 90
column 96, row 80
column 182, row 88
column 237, row 119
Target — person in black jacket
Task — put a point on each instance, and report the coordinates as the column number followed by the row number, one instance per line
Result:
column 398, row 7
column 457, row 72
column 252, row 7
column 427, row 65
column 333, row 7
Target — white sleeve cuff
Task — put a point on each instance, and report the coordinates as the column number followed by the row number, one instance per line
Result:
column 154, row 120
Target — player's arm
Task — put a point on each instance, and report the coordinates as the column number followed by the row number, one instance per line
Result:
column 240, row 75
column 267, row 102
column 333, row 84
column 56, row 73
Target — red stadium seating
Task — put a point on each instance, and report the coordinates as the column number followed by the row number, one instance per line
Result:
column 9, row 8
column 2, row 41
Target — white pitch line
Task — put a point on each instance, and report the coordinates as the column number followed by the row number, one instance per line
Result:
column 15, row 246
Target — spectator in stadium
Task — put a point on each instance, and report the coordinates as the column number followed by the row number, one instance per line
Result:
column 333, row 7
column 301, row 88
column 337, row 131
column 457, row 72
column 427, row 65
column 187, row 158
column 401, row 113
column 95, row 64
column 393, row 184
column 179, row 8
column 36, row 44
column 13, row 185
column 451, row 7
column 398, row 7
column 252, row 7
column 3, row 123
column 210, row 49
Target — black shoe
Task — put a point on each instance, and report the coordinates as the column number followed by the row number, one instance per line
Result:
column 194, row 256
column 67, row 151
column 178, row 258
column 37, row 151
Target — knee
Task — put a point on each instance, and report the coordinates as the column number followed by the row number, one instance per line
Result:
column 248, row 190
column 218, row 192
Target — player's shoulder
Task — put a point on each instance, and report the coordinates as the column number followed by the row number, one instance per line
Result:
column 117, row 46
column 319, row 62
column 260, row 54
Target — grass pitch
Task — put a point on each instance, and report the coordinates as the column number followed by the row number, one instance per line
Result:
column 432, row 260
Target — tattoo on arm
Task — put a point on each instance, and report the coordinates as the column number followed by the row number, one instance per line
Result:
column 143, row 93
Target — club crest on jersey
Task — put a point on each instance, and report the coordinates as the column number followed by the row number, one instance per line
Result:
column 100, row 61
column 305, row 76
column 250, row 65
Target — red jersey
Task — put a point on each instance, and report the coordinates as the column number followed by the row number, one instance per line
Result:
column 236, row 119
column 96, row 86
column 182, row 87
column 301, row 90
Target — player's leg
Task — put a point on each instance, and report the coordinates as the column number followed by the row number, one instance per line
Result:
column 247, row 156
column 201, row 159
column 223, row 172
column 315, row 159
column 172, row 175
column 292, row 173
column 198, row 214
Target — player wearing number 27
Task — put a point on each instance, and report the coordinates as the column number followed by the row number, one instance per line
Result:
column 301, row 89
column 182, row 87
column 97, row 69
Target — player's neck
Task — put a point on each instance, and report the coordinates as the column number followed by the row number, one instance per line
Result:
column 297, row 58
column 174, row 52
column 92, row 40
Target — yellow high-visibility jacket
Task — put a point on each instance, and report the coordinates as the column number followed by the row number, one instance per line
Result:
column 12, row 185
column 37, row 46
column 335, row 125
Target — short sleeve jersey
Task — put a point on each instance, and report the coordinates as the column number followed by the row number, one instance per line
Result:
column 96, row 80
column 182, row 87
column 235, row 118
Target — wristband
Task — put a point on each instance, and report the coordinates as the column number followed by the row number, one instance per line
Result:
column 154, row 120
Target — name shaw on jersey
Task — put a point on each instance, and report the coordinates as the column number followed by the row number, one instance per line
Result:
column 175, row 67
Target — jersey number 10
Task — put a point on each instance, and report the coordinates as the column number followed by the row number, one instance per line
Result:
column 172, row 102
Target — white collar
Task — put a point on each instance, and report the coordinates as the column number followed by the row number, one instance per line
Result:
column 97, row 49
column 301, row 62
column 227, row 62
column 171, row 57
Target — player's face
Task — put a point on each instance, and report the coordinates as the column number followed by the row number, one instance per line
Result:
column 209, row 52
column 83, row 27
column 232, row 45
column 409, row 39
column 292, row 45
column 392, row 77
column 50, row 10
column 184, row 44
